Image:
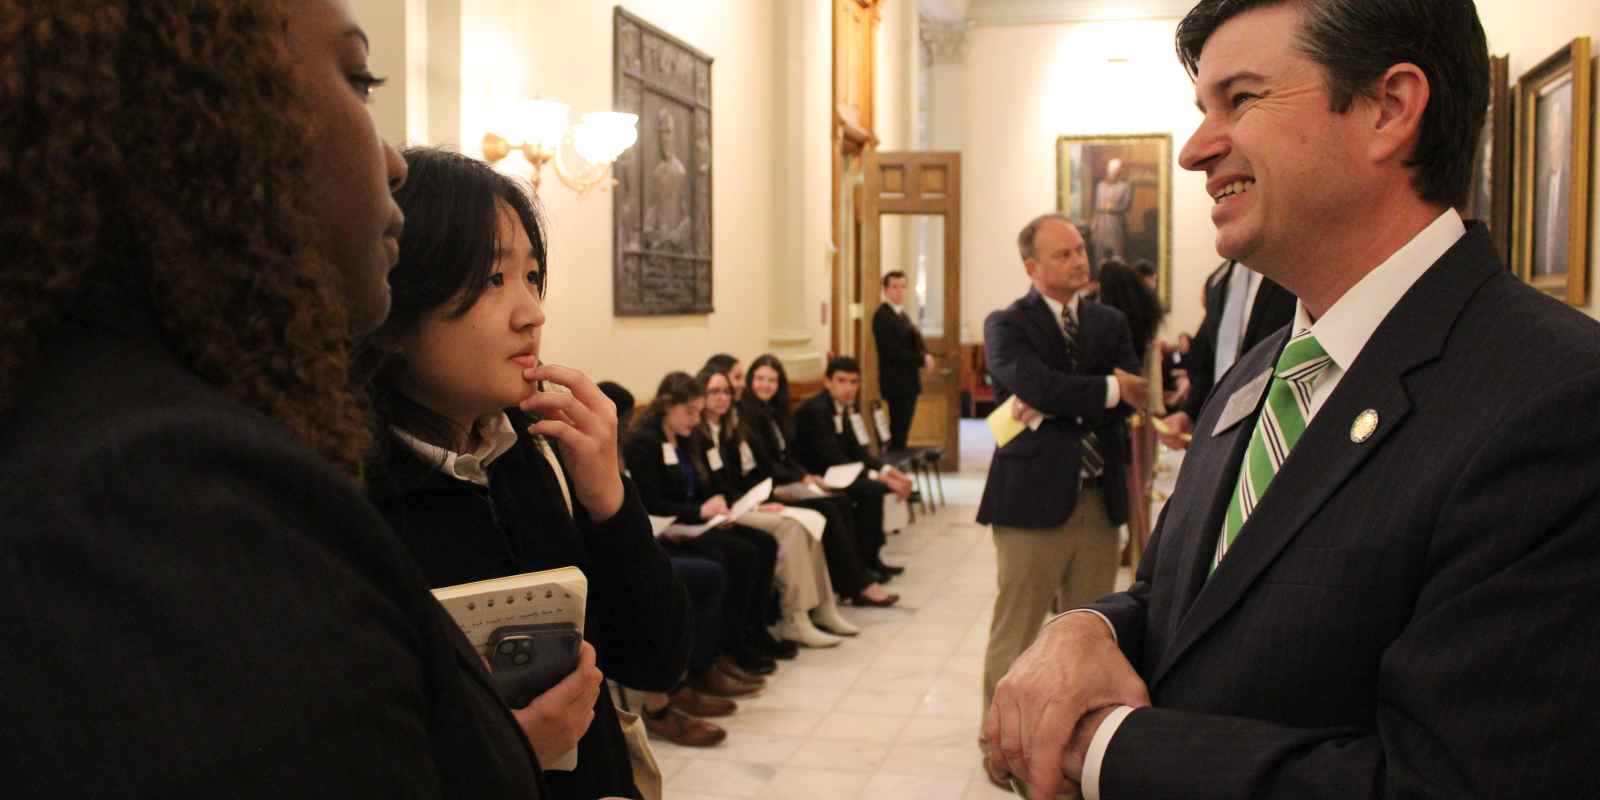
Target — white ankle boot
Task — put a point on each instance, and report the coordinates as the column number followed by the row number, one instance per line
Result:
column 797, row 627
column 827, row 615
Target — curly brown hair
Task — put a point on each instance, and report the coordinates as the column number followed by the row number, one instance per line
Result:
column 163, row 146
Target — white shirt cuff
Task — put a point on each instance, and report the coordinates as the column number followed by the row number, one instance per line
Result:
column 1113, row 391
column 1102, row 617
column 1097, row 751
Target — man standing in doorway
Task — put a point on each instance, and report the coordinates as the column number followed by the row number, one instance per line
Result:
column 901, row 355
column 1057, row 492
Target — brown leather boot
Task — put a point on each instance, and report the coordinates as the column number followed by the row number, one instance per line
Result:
column 727, row 666
column 717, row 683
column 696, row 704
column 679, row 728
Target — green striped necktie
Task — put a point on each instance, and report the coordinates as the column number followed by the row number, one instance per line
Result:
column 1280, row 425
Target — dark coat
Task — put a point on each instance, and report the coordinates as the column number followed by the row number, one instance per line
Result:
column 900, row 353
column 194, row 604
column 824, row 438
column 637, row 615
column 1033, row 480
column 771, row 445
column 1272, row 310
column 1406, row 616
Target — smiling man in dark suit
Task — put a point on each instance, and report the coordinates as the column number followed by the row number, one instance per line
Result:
column 1057, row 492
column 1375, row 577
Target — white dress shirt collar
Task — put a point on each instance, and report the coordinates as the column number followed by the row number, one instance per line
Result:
column 1056, row 306
column 898, row 309
column 1344, row 330
column 496, row 436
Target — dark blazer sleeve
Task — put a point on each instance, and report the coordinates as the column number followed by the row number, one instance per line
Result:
column 769, row 457
column 1487, row 691
column 894, row 347
column 645, row 635
column 815, row 443
column 661, row 492
column 239, row 617
column 1016, row 364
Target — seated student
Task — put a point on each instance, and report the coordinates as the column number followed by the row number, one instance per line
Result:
column 470, row 480
column 735, row 369
column 829, row 431
column 802, row 571
column 678, row 717
column 767, row 424
column 196, row 598
column 673, row 481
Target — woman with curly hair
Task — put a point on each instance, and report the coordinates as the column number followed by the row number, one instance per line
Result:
column 196, row 596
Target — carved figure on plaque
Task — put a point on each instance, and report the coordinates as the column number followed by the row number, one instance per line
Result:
column 666, row 216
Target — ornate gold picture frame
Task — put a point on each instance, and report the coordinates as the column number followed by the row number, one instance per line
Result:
column 1553, row 115
column 1127, row 207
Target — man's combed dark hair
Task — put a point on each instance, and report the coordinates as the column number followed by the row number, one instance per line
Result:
column 891, row 275
column 156, row 152
column 1356, row 41
column 842, row 364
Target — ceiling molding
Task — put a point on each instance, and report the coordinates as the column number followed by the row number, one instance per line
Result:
column 1043, row 12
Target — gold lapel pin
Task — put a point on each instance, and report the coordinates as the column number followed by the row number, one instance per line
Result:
column 1365, row 425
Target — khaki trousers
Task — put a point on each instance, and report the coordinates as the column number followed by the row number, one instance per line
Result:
column 802, row 570
column 1045, row 569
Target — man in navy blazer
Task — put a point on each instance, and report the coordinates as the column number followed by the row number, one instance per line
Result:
column 1375, row 577
column 1057, row 491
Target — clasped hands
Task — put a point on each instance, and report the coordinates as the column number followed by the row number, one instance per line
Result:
column 1048, row 706
column 584, row 426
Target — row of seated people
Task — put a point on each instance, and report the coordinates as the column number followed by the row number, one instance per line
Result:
column 706, row 440
column 487, row 469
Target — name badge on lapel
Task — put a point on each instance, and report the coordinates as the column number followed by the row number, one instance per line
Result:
column 747, row 458
column 669, row 454
column 714, row 458
column 1243, row 402
column 860, row 427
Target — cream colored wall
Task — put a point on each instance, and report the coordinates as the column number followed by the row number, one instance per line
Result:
column 1515, row 29
column 1026, row 85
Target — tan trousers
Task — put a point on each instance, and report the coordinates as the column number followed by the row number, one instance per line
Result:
column 802, row 571
column 1045, row 569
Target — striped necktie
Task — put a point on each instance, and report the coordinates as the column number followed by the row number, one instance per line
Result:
column 1279, row 426
column 1093, row 463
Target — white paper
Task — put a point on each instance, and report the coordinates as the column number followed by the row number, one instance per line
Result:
column 757, row 495
column 813, row 521
column 669, row 454
column 841, row 476
column 683, row 530
column 659, row 524
column 881, row 419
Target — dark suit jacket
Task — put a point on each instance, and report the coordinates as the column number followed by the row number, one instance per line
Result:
column 1409, row 616
column 823, row 439
column 637, row 616
column 1033, row 480
column 1273, row 309
column 661, row 485
column 194, row 604
column 759, row 427
column 900, row 353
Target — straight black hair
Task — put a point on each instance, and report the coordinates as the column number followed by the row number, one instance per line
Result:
column 776, row 409
column 842, row 364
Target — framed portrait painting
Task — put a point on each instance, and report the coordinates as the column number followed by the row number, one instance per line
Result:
column 1118, row 190
column 1553, row 131
column 1489, row 200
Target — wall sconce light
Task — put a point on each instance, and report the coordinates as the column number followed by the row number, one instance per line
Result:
column 599, row 138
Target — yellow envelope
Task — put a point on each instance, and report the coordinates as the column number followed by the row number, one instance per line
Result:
column 1003, row 425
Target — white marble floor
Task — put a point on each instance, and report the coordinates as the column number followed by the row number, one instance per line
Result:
column 890, row 714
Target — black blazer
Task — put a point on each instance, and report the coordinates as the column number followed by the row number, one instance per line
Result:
column 771, row 446
column 729, row 474
column 1033, row 480
column 823, row 439
column 1408, row 616
column 661, row 485
column 1272, row 310
column 900, row 353
column 637, row 615
column 194, row 604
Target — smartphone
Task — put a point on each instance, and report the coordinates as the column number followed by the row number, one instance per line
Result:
column 527, row 660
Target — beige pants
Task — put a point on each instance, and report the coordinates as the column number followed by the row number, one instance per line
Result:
column 802, row 571
column 1041, row 569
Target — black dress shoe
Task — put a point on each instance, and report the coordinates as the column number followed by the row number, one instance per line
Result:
column 765, row 644
column 875, row 575
column 888, row 570
column 755, row 663
column 863, row 600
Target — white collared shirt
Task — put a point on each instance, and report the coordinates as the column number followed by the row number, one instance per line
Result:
column 495, row 438
column 1113, row 391
column 1343, row 332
